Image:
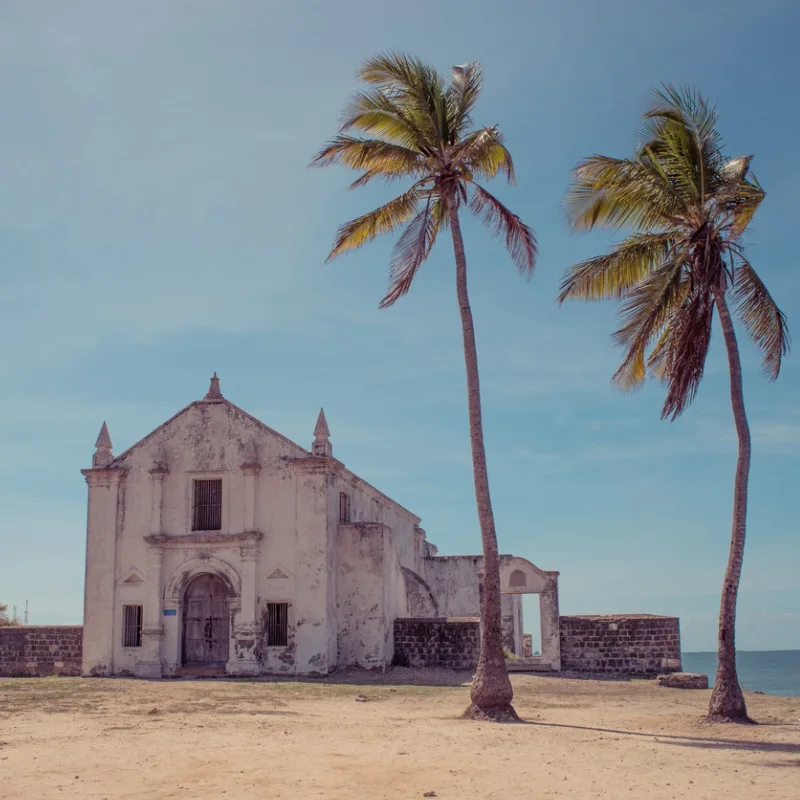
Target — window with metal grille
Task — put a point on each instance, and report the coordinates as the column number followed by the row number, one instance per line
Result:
column 344, row 507
column 207, row 505
column 131, row 626
column 277, row 624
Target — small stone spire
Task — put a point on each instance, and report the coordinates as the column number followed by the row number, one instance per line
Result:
column 322, row 437
column 102, row 456
column 214, row 392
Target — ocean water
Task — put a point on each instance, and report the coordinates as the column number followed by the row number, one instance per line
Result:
column 768, row 671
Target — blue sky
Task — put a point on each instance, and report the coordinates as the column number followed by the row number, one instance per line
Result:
column 158, row 222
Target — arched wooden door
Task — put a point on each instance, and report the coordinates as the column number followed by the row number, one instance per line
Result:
column 206, row 634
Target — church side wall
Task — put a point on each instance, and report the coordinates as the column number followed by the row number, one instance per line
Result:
column 369, row 505
column 370, row 594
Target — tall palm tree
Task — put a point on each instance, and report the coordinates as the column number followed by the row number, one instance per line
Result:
column 417, row 126
column 688, row 207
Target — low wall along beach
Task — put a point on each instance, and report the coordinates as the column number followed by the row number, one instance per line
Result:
column 40, row 650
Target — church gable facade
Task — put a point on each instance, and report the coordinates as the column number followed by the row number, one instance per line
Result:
column 217, row 546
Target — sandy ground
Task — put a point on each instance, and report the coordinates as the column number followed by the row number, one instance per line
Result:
column 360, row 737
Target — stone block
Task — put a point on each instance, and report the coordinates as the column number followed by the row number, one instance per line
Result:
column 683, row 680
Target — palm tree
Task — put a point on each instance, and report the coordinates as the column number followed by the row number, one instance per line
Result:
column 419, row 127
column 688, row 207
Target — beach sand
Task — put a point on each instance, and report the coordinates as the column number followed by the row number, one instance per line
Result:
column 363, row 737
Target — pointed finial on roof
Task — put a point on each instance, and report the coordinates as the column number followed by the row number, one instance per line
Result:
column 321, row 428
column 103, row 455
column 214, row 392
column 322, row 437
column 103, row 438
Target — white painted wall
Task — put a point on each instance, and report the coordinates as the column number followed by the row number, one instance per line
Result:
column 293, row 509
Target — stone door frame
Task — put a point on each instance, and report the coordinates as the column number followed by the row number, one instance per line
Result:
column 174, row 607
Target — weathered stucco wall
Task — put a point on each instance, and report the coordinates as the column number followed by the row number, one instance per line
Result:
column 368, row 597
column 455, row 583
column 278, row 542
column 421, row 602
column 444, row 643
column 367, row 504
column 40, row 650
column 636, row 644
column 274, row 538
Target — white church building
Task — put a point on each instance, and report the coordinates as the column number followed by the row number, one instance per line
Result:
column 215, row 545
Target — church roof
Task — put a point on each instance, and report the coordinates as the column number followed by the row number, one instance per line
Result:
column 218, row 399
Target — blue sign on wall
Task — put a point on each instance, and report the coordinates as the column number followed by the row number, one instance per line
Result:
column 170, row 612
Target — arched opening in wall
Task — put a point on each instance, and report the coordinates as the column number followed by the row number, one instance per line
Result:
column 532, row 621
column 520, row 615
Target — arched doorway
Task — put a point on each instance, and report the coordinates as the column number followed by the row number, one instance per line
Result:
column 206, row 631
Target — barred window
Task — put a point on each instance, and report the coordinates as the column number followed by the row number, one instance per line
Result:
column 344, row 507
column 277, row 624
column 131, row 626
column 207, row 505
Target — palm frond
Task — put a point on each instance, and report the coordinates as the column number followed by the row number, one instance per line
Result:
column 397, row 72
column 683, row 125
column 461, row 96
column 413, row 86
column 644, row 313
column 617, row 193
column 657, row 360
column 484, row 154
column 685, row 358
column 764, row 322
column 372, row 112
column 374, row 155
column 411, row 250
column 519, row 238
column 740, row 198
column 371, row 174
column 363, row 229
column 614, row 274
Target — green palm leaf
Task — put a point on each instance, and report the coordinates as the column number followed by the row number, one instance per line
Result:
column 384, row 219
column 614, row 274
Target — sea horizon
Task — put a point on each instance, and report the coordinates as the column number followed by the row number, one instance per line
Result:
column 775, row 672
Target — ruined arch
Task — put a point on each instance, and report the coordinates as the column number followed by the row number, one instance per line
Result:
column 520, row 576
column 421, row 602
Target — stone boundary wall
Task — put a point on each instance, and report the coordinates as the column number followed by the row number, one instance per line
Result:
column 625, row 644
column 34, row 650
column 450, row 643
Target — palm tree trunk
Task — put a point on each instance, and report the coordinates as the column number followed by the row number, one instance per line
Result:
column 727, row 701
column 491, row 692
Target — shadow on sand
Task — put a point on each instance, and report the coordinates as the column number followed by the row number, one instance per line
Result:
column 710, row 743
